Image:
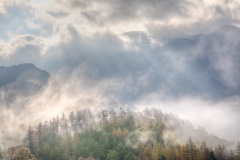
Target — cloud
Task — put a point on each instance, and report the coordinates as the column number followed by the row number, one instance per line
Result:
column 13, row 20
column 217, row 117
column 162, row 20
column 123, row 51
column 26, row 44
column 204, row 66
column 64, row 93
column 70, row 92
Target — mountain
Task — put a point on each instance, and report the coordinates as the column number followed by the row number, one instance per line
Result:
column 205, row 64
column 21, row 80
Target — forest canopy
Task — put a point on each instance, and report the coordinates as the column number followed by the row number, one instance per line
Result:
column 124, row 134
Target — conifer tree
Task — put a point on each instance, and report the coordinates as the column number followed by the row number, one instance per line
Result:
column 212, row 156
column 191, row 152
column 237, row 157
column 30, row 140
column 204, row 151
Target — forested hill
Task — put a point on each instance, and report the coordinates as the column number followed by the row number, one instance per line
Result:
column 108, row 134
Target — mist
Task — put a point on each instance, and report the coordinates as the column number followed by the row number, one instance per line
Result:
column 71, row 90
column 103, row 55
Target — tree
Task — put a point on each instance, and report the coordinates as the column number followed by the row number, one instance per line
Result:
column 220, row 152
column 71, row 119
column 30, row 140
column 170, row 153
column 40, row 134
column 204, row 151
column 90, row 158
column 45, row 129
column 212, row 156
column 180, row 152
column 146, row 153
column 237, row 155
column 63, row 123
column 130, row 156
column 157, row 151
column 1, row 156
column 23, row 153
column 191, row 152
column 162, row 158
column 113, row 155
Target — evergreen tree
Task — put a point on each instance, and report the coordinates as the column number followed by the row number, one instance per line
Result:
column 30, row 140
column 191, row 152
column 113, row 155
column 204, row 151
column 130, row 156
column 212, row 156
column 237, row 157
column 1, row 156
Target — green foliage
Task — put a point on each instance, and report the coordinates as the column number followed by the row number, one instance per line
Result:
column 113, row 136
column 162, row 158
column 130, row 156
column 113, row 155
column 21, row 153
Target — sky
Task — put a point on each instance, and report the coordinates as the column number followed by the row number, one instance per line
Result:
column 43, row 31
column 116, row 52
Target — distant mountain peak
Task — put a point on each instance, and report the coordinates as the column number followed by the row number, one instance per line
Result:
column 228, row 28
column 11, row 73
column 27, row 65
column 30, row 65
column 22, row 79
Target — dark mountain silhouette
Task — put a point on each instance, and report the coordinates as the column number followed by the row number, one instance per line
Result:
column 22, row 79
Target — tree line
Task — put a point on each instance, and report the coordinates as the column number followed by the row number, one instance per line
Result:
column 113, row 135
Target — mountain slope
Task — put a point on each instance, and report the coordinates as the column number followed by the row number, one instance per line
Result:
column 206, row 65
column 21, row 80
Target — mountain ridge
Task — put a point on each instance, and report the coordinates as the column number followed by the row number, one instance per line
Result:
column 207, row 57
column 21, row 80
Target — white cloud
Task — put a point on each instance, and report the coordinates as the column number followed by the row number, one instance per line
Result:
column 218, row 117
column 17, row 43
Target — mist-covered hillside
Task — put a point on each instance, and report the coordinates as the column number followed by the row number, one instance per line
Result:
column 123, row 134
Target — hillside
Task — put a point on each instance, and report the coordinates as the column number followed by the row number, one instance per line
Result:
column 107, row 134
